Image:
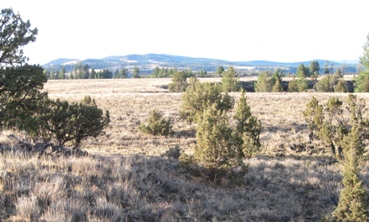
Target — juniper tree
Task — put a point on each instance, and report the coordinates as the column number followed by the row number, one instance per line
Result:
column 352, row 203
column 156, row 124
column 20, row 91
column 248, row 128
column 199, row 96
column 263, row 83
column 328, row 123
column 219, row 71
column 215, row 148
column 221, row 146
column 277, row 87
column 341, row 86
column 72, row 122
column 314, row 69
column 362, row 80
column 276, row 81
column 179, row 82
column 230, row 82
column 14, row 34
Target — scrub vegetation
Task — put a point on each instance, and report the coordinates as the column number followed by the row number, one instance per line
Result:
column 148, row 149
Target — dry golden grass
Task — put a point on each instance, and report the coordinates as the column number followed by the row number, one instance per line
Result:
column 130, row 101
column 139, row 188
column 125, row 178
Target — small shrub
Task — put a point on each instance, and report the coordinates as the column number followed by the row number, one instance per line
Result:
column 248, row 128
column 174, row 152
column 341, row 86
column 87, row 100
column 331, row 83
column 179, row 82
column 326, row 84
column 327, row 121
column 299, row 84
column 156, row 125
column 269, row 83
column 72, row 121
column 293, row 85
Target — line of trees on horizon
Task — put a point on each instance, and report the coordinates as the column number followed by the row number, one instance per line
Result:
column 84, row 71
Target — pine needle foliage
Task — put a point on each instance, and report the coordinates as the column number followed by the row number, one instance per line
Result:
column 299, row 84
column 215, row 147
column 230, row 82
column 327, row 122
column 352, row 204
column 179, row 82
column 248, row 128
column 268, row 82
column 156, row 124
column 199, row 96
column 20, row 90
column 222, row 146
column 362, row 80
column 72, row 122
column 341, row 86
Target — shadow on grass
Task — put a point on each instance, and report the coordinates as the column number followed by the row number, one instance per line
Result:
column 141, row 188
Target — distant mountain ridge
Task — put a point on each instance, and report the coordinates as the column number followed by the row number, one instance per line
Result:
column 148, row 62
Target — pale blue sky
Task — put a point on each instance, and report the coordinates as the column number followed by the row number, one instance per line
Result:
column 235, row 30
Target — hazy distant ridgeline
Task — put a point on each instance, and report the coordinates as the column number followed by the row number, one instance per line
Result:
column 146, row 63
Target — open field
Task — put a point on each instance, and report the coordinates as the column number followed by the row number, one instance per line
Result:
column 126, row 177
column 130, row 101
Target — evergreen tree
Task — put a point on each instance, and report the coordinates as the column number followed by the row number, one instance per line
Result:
column 276, row 81
column 314, row 69
column 71, row 75
column 327, row 83
column 156, row 124
column 293, row 85
column 277, row 86
column 248, row 129
column 179, row 82
column 123, row 73
column 86, row 71
column 219, row 71
column 14, row 34
column 362, row 80
column 155, row 72
column 62, row 73
column 341, row 86
column 302, row 71
column 201, row 73
column 230, row 81
column 327, row 123
column 20, row 92
column 215, row 148
column 326, row 68
column 352, row 203
column 264, row 83
column 364, row 60
column 136, row 72
column 199, row 96
column 93, row 74
column 72, row 121
column 75, row 72
column 52, row 74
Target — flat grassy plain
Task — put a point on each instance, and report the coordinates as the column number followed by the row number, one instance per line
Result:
column 128, row 176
